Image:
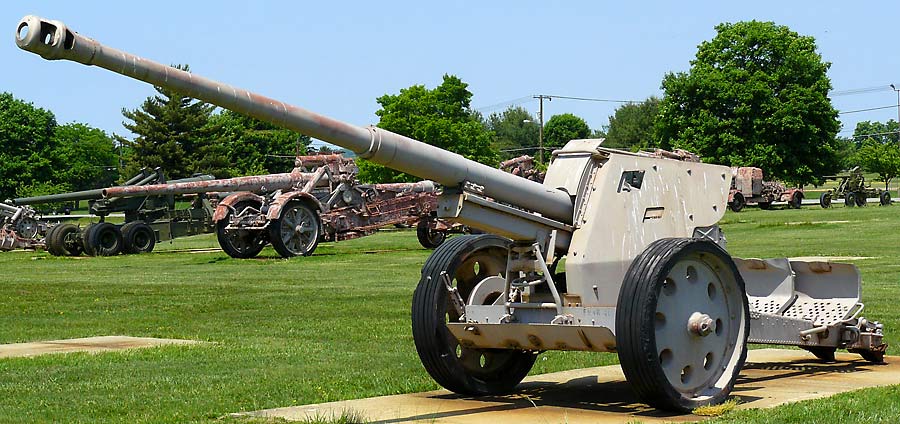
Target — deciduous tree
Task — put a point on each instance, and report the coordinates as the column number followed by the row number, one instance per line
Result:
column 515, row 131
column 560, row 129
column 755, row 95
column 441, row 117
column 25, row 138
column 631, row 126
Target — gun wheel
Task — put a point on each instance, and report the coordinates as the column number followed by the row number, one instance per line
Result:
column 850, row 200
column 825, row 200
column 138, row 237
column 63, row 240
column 467, row 260
column 296, row 231
column 737, row 203
column 429, row 237
column 239, row 244
column 682, row 322
column 885, row 198
column 102, row 239
column 796, row 200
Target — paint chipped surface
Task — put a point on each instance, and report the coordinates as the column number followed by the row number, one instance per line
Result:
column 87, row 344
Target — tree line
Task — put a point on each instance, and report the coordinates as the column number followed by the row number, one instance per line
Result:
column 755, row 95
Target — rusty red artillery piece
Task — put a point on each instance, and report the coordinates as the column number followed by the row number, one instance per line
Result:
column 320, row 200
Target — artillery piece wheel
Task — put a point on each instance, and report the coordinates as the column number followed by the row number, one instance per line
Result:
column 885, row 198
column 239, row 244
column 861, row 199
column 138, row 237
column 825, row 200
column 62, row 240
column 824, row 353
column 737, row 202
column 765, row 205
column 682, row 321
column 296, row 231
column 467, row 260
column 102, row 239
column 850, row 200
column 796, row 200
column 429, row 238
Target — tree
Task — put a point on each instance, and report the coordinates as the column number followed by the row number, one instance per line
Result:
column 560, row 129
column 879, row 151
column 515, row 131
column 755, row 95
column 441, row 117
column 254, row 147
column 25, row 138
column 631, row 126
column 173, row 132
column 83, row 157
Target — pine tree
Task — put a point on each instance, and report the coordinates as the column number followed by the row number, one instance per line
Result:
column 174, row 132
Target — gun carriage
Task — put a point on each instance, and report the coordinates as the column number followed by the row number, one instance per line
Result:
column 149, row 219
column 319, row 200
column 615, row 252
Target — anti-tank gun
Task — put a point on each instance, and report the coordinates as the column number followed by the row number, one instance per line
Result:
column 646, row 274
column 319, row 200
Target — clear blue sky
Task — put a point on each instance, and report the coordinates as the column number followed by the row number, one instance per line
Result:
column 337, row 57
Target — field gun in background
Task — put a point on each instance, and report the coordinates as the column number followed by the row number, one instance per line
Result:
column 645, row 273
column 523, row 166
column 20, row 228
column 853, row 189
column 321, row 199
column 148, row 219
column 749, row 188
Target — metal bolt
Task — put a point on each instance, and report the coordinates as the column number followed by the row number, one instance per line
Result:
column 701, row 324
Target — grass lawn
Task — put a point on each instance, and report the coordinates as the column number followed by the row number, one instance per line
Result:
column 328, row 327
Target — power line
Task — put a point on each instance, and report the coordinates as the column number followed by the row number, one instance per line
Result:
column 592, row 99
column 516, row 101
column 864, row 90
column 867, row 110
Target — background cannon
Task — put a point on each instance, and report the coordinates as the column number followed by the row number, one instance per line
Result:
column 320, row 200
column 645, row 270
column 148, row 218
column 20, row 227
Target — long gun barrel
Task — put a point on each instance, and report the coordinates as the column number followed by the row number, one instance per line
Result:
column 53, row 40
column 62, row 197
column 269, row 183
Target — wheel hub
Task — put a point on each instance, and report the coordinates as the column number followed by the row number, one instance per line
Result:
column 701, row 324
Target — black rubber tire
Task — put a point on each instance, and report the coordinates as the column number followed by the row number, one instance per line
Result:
column 437, row 348
column 824, row 353
column 765, row 205
column 861, row 199
column 428, row 237
column 251, row 243
column 737, row 202
column 636, row 315
column 138, row 237
column 850, row 199
column 65, row 245
column 825, row 200
column 796, row 200
column 103, row 239
column 51, row 243
column 885, row 198
column 282, row 246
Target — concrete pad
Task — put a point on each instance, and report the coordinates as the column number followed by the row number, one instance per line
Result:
column 600, row 395
column 830, row 258
column 87, row 344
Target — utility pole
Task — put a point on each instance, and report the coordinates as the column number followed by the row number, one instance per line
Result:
column 541, row 98
column 898, row 103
